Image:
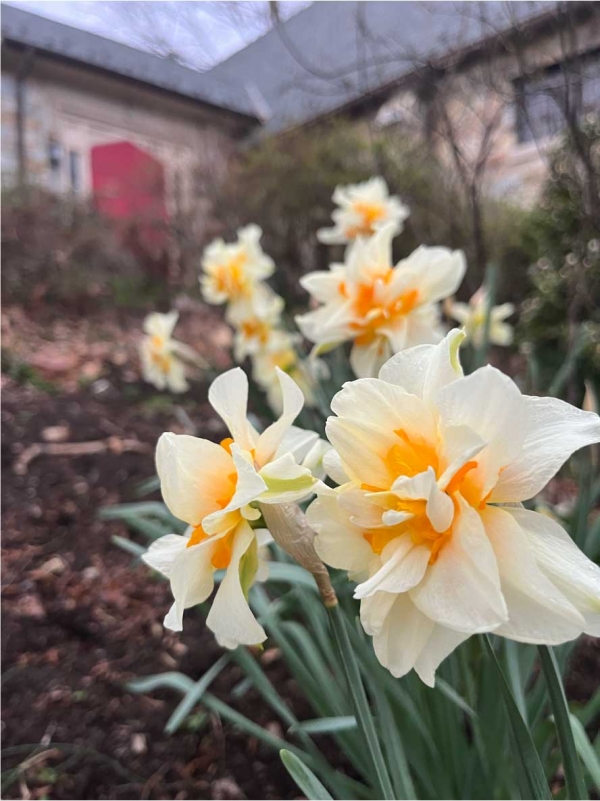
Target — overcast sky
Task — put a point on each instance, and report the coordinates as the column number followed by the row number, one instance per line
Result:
column 199, row 33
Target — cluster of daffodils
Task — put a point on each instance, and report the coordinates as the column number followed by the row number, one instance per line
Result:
column 163, row 358
column 433, row 468
column 235, row 274
column 218, row 490
column 379, row 307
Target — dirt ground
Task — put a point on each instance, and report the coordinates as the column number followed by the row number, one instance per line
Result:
column 79, row 620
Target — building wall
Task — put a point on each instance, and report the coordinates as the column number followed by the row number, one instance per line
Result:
column 70, row 109
column 481, row 106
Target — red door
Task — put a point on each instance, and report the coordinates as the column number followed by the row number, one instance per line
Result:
column 129, row 187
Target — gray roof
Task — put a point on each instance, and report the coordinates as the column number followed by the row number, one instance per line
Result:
column 61, row 40
column 333, row 53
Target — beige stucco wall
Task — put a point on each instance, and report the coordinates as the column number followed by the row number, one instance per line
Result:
column 480, row 102
column 79, row 109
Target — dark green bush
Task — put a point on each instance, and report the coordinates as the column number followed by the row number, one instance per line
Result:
column 561, row 316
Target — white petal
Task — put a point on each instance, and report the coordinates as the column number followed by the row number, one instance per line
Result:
column 248, row 488
column 191, row 580
column 323, row 285
column 230, row 617
column 193, row 474
column 162, row 552
column 339, row 543
column 576, row 576
column 402, row 637
column 490, row 403
column 367, row 360
column 298, row 442
column 460, row 445
column 404, row 565
column 271, row 438
column 538, row 611
column 388, row 407
column 461, row 590
column 438, row 271
column 228, row 395
column 424, row 369
column 359, row 448
column 441, row 643
column 423, row 486
column 555, row 430
column 332, row 464
column 363, row 507
column 374, row 611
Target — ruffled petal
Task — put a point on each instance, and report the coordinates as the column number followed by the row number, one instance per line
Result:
column 403, row 567
column 425, row 369
column 576, row 576
column 228, row 395
column 538, row 612
column 461, row 590
column 554, row 430
column 230, row 618
column 339, row 543
column 271, row 438
column 193, row 474
column 403, row 635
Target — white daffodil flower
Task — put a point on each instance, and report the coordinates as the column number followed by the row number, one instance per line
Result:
column 380, row 308
column 161, row 355
column 363, row 209
column 216, row 490
column 429, row 518
column 472, row 316
column 256, row 320
column 233, row 270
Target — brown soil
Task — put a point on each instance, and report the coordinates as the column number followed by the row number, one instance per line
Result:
column 80, row 619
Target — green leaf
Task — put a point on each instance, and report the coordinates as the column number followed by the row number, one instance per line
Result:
column 304, row 777
column 573, row 774
column 325, row 725
column 457, row 699
column 291, row 574
column 171, row 680
column 194, row 695
column 586, row 751
column 131, row 547
column 359, row 699
column 530, row 772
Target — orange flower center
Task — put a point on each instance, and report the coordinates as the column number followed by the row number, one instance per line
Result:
column 230, row 277
column 409, row 457
column 370, row 213
column 373, row 315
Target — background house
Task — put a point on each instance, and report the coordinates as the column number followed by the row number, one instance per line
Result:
column 488, row 85
column 90, row 116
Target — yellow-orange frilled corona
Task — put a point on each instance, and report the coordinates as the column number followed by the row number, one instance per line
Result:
column 433, row 468
column 362, row 210
column 378, row 307
column 216, row 489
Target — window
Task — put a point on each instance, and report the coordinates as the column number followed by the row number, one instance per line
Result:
column 75, row 171
column 546, row 99
column 54, row 155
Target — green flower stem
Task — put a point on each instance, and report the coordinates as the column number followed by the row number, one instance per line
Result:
column 360, row 702
column 573, row 774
